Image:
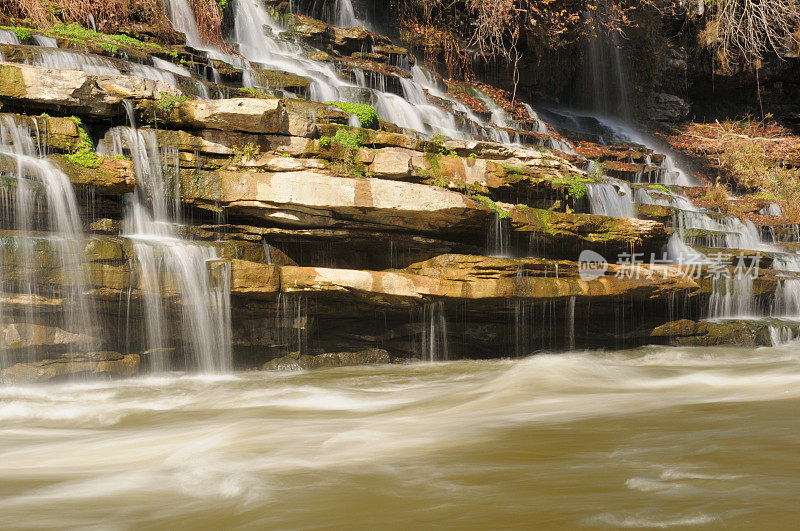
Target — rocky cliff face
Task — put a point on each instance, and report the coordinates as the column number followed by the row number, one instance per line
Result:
column 165, row 207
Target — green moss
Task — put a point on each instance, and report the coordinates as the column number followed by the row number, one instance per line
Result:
column 248, row 151
column 11, row 83
column 23, row 34
column 348, row 139
column 366, row 114
column 74, row 30
column 659, row 187
column 325, row 142
column 766, row 196
column 167, row 102
column 494, row 206
column 598, row 170
column 513, row 169
column 76, row 33
column 434, row 161
column 83, row 154
column 576, row 184
column 542, row 217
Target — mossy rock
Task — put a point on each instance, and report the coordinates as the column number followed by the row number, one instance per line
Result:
column 12, row 84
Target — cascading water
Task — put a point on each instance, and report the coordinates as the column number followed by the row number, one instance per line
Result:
column 611, row 198
column 571, row 323
column 433, row 337
column 346, row 15
column 498, row 237
column 33, row 185
column 169, row 265
column 8, row 37
column 256, row 34
column 606, row 68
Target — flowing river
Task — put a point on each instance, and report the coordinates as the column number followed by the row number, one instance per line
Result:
column 654, row 437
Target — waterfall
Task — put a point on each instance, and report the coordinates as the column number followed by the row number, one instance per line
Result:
column 256, row 33
column 47, row 42
column 433, row 339
column 498, row 237
column 8, row 37
column 346, row 15
column 182, row 17
column 167, row 264
column 39, row 184
column 606, row 68
column 292, row 323
column 611, row 198
column 520, row 327
column 780, row 335
column 787, row 299
column 571, row 323
column 55, row 58
column 721, row 231
column 732, row 296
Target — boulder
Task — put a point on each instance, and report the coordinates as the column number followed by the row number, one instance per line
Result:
column 295, row 362
column 727, row 332
column 18, row 336
column 667, row 108
column 93, row 364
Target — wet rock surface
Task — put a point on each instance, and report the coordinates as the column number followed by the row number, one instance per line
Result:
column 326, row 236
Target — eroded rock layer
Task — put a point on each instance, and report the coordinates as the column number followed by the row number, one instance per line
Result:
column 176, row 209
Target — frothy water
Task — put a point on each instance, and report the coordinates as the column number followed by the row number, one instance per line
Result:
column 656, row 437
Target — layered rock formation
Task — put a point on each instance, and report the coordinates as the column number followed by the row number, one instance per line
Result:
column 264, row 227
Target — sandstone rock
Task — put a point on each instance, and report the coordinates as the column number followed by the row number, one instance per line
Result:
column 74, row 91
column 224, row 143
column 729, row 332
column 254, row 279
column 106, row 226
column 279, row 79
column 316, row 200
column 99, row 250
column 93, row 364
column 113, row 176
column 566, row 235
column 59, row 134
column 381, row 139
column 446, row 278
column 392, row 163
column 27, row 335
column 247, row 115
column 681, row 328
column 335, row 359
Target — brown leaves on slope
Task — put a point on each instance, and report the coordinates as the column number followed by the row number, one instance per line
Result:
column 110, row 16
column 748, row 155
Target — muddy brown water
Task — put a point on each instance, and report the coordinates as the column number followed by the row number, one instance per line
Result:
column 655, row 437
